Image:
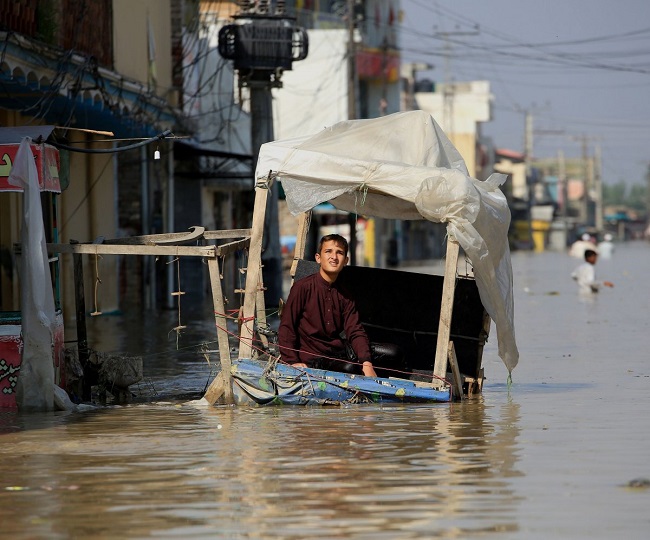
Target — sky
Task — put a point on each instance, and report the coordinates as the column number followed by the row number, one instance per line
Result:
column 581, row 68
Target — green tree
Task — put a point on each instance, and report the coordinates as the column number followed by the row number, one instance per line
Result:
column 633, row 196
column 636, row 197
column 614, row 194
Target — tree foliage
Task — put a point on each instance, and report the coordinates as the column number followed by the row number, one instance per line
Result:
column 622, row 194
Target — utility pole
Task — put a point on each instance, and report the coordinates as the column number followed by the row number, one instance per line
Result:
column 598, row 189
column 528, row 144
column 263, row 43
column 564, row 185
column 449, row 89
column 589, row 172
column 584, row 210
column 352, row 115
column 647, row 199
column 352, row 66
column 528, row 155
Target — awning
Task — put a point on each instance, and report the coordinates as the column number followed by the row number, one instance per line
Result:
column 14, row 135
column 193, row 147
column 37, row 80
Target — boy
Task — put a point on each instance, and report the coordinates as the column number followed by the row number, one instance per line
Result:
column 585, row 274
column 316, row 314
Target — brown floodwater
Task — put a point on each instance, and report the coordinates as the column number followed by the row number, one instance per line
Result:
column 549, row 456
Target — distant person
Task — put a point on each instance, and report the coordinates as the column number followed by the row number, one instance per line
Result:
column 585, row 275
column 579, row 247
column 606, row 247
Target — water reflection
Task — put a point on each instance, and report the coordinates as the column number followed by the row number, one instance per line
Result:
column 173, row 365
column 184, row 471
column 544, row 458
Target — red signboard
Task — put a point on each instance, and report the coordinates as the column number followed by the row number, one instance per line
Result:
column 47, row 165
column 11, row 346
column 378, row 64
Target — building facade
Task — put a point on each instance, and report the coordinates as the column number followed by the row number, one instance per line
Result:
column 101, row 72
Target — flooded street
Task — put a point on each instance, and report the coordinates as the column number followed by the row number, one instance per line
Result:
column 548, row 457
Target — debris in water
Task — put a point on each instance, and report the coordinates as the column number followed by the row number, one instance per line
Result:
column 639, row 483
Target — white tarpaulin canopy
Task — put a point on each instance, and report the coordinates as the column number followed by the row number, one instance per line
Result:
column 35, row 389
column 403, row 166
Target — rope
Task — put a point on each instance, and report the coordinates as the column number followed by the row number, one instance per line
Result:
column 177, row 293
column 363, row 189
column 266, row 183
column 261, row 350
column 97, row 283
column 158, row 137
column 270, row 365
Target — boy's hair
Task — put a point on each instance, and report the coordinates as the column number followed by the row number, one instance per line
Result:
column 589, row 253
column 336, row 238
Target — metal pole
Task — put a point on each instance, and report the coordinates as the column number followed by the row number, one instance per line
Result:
column 584, row 211
column 564, row 184
column 170, row 223
column 82, row 336
column 352, row 68
column 144, row 211
column 262, row 132
column 528, row 154
column 647, row 202
column 352, row 115
column 598, row 188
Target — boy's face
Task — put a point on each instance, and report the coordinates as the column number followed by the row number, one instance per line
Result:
column 331, row 258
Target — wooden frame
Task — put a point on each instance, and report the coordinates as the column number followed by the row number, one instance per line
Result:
column 445, row 355
column 171, row 244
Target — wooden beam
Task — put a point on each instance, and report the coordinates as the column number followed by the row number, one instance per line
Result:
column 446, row 310
column 304, row 220
column 475, row 384
column 110, row 249
column 253, row 272
column 458, row 382
column 221, row 323
column 487, row 323
column 226, row 234
column 216, row 389
column 260, row 312
column 193, row 235
column 82, row 336
column 233, row 247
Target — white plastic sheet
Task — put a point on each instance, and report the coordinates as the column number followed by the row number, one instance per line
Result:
column 35, row 388
column 403, row 166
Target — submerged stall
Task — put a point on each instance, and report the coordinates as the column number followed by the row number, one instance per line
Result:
column 400, row 166
column 31, row 322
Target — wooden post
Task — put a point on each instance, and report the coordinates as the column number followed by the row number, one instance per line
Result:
column 446, row 311
column 253, row 271
column 216, row 389
column 221, row 322
column 478, row 377
column 304, row 220
column 260, row 311
column 82, row 336
column 458, row 383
